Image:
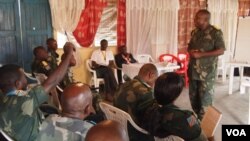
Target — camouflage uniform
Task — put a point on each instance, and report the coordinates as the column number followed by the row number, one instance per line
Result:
column 44, row 67
column 202, row 71
column 68, row 79
column 171, row 120
column 134, row 97
column 57, row 128
column 20, row 116
column 54, row 56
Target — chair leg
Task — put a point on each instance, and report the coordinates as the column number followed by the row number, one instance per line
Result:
column 242, row 89
column 224, row 75
column 96, row 83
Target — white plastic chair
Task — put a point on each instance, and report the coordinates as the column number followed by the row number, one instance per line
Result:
column 144, row 58
column 94, row 78
column 120, row 116
column 222, row 69
column 245, row 83
column 29, row 75
column 7, row 137
column 123, row 118
column 40, row 77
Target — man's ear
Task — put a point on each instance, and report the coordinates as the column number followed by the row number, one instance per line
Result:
column 89, row 109
column 150, row 75
column 18, row 84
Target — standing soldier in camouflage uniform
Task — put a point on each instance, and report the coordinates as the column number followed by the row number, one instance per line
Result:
column 70, row 124
column 52, row 47
column 205, row 46
column 20, row 116
column 135, row 96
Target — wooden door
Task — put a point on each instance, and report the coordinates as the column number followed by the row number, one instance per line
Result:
column 36, row 25
column 10, row 34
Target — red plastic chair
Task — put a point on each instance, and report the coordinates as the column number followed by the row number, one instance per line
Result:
column 181, row 60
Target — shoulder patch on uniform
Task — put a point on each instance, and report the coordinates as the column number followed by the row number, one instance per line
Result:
column 193, row 31
column 216, row 27
column 45, row 65
column 191, row 120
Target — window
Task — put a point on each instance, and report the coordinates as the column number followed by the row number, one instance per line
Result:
column 107, row 28
column 62, row 39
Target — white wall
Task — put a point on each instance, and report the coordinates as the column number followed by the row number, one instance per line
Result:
column 242, row 50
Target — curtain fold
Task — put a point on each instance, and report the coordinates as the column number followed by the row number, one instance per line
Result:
column 224, row 16
column 152, row 26
column 186, row 16
column 65, row 14
column 89, row 20
column 121, row 22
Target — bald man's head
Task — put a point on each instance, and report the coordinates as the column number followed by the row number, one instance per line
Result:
column 76, row 101
column 148, row 73
column 107, row 130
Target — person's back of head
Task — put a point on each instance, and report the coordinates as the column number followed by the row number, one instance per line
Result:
column 12, row 77
column 148, row 73
column 107, row 130
column 168, row 88
column 76, row 101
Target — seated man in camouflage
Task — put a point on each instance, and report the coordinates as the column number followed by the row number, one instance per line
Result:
column 42, row 63
column 107, row 130
column 52, row 47
column 135, row 96
column 69, row 125
column 20, row 116
column 168, row 119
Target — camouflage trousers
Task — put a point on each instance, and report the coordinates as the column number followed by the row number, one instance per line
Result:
column 201, row 95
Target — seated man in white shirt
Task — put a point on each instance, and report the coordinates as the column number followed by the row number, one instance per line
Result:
column 103, row 62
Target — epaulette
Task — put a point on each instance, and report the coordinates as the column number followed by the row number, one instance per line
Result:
column 194, row 31
column 45, row 65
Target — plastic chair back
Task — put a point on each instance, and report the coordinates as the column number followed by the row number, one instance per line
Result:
column 144, row 58
column 120, row 116
column 4, row 136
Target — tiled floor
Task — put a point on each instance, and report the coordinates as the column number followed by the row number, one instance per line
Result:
column 233, row 107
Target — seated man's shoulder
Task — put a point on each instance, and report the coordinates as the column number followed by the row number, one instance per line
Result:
column 181, row 113
column 73, row 125
column 139, row 87
column 49, row 132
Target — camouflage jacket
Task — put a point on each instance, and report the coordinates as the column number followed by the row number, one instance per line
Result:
column 44, row 67
column 204, row 41
column 54, row 59
column 68, row 79
column 20, row 116
column 57, row 128
column 171, row 120
column 134, row 97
